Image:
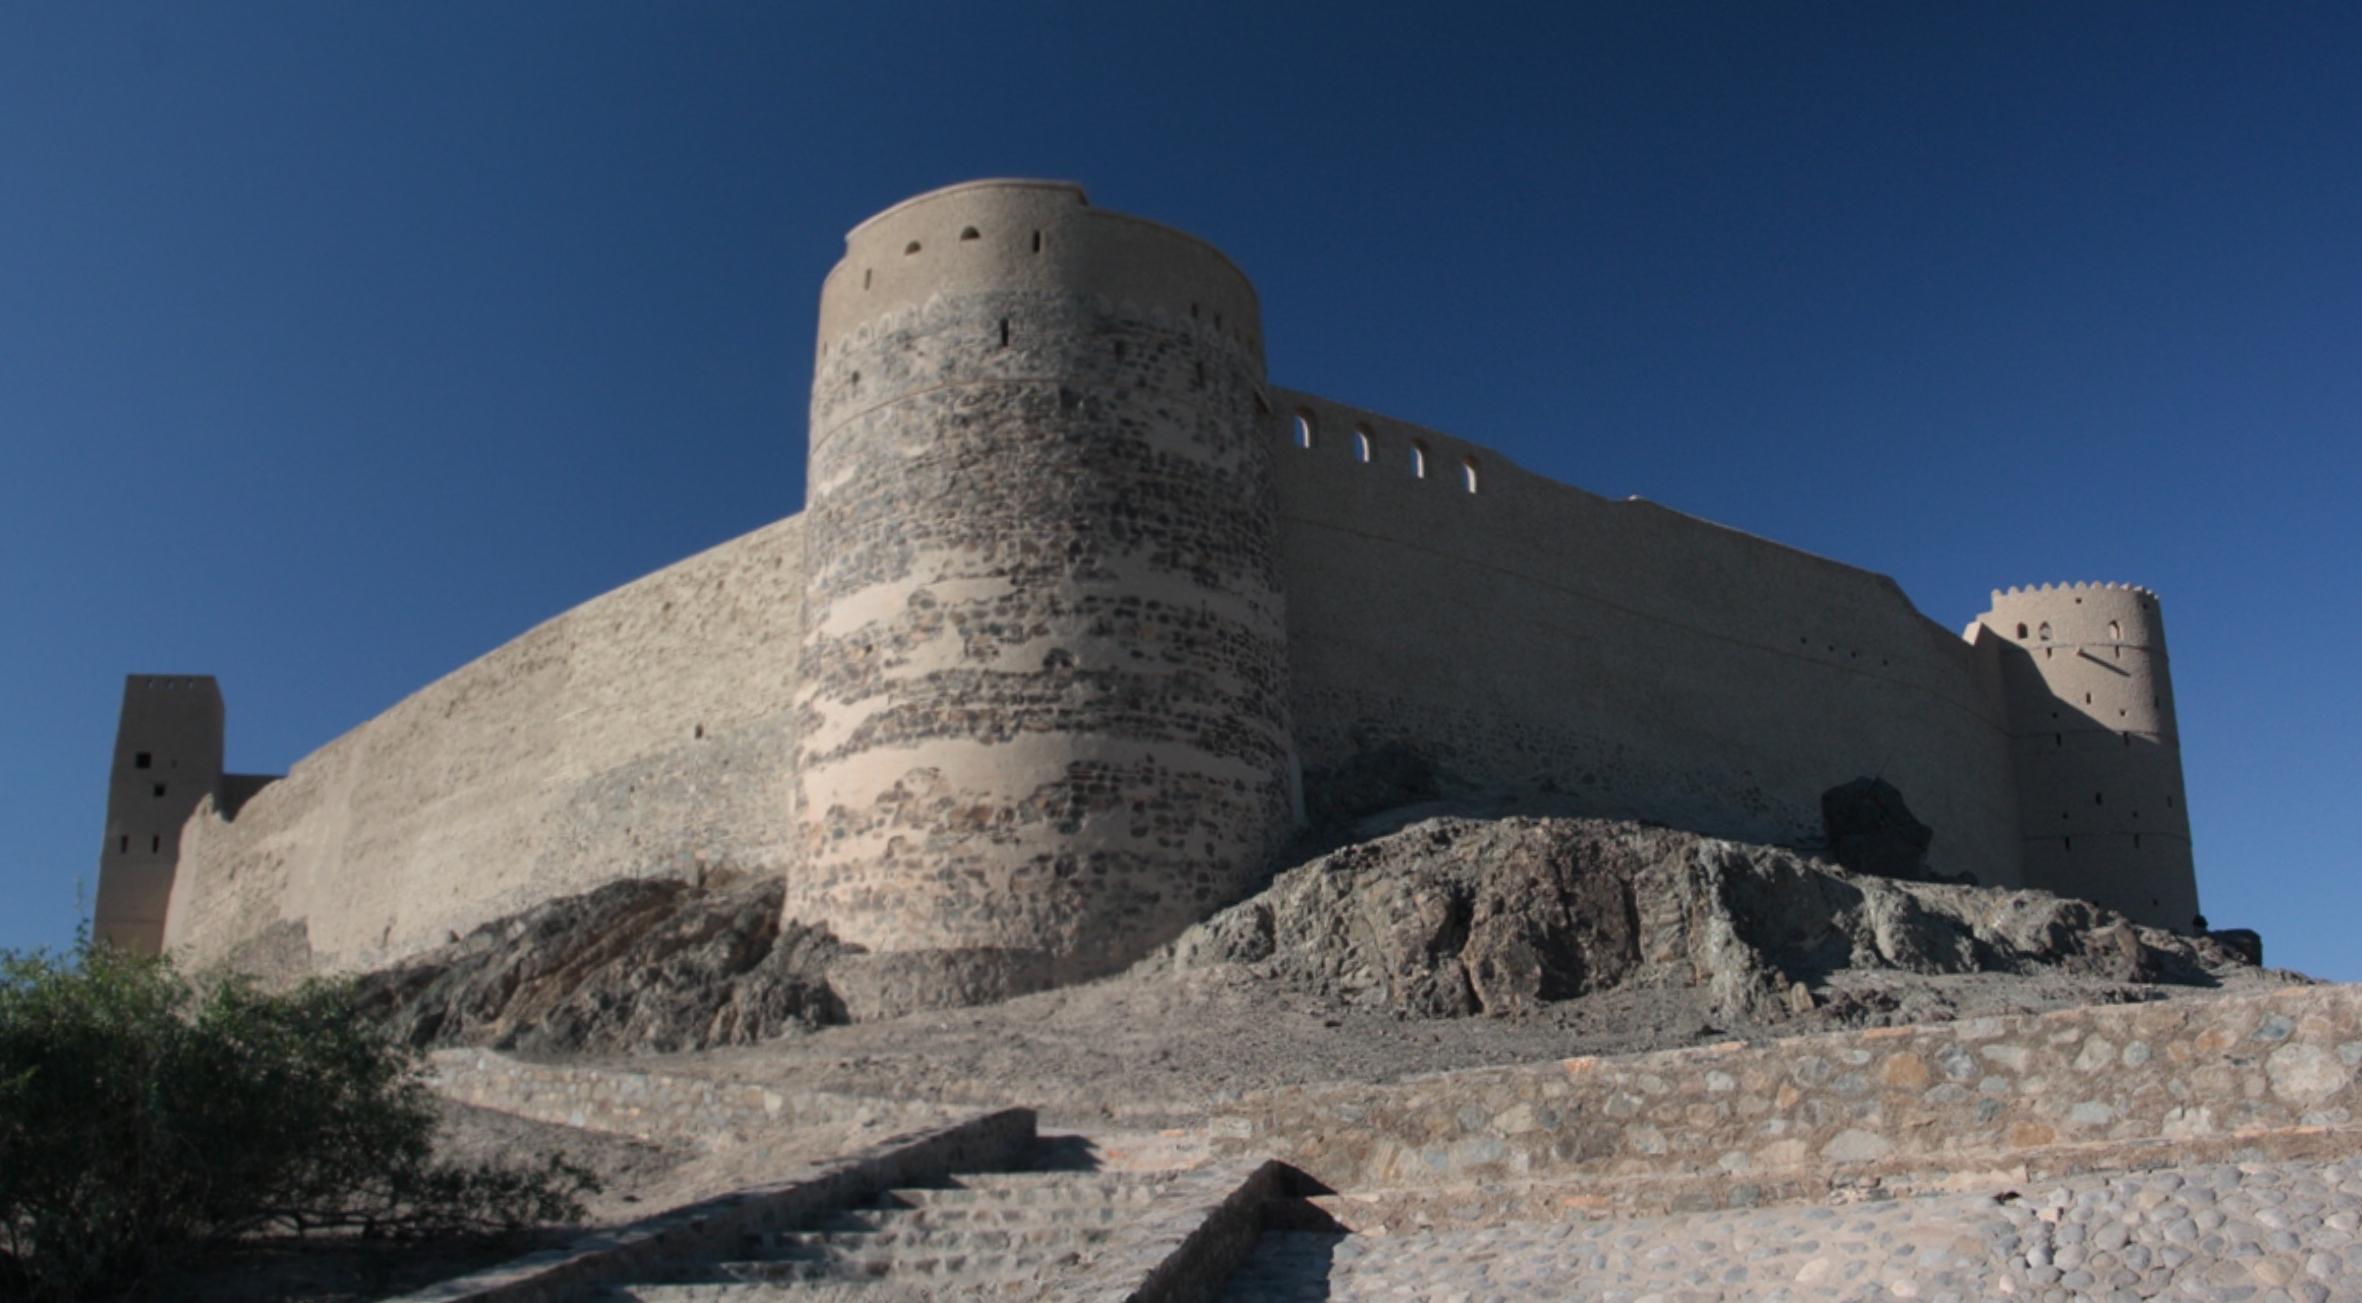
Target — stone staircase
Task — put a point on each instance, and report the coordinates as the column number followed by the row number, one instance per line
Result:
column 989, row 1235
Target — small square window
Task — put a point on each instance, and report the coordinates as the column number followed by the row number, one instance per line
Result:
column 144, row 760
column 159, row 789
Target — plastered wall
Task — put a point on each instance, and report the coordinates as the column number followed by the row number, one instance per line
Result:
column 644, row 733
column 2098, row 754
column 1619, row 657
column 168, row 755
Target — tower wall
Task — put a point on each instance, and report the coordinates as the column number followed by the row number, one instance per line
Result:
column 2097, row 752
column 1042, row 706
column 168, row 757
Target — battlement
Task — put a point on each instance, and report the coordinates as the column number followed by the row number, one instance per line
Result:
column 2031, row 590
column 1017, row 236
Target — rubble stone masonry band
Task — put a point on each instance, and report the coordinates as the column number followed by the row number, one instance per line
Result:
column 2198, row 1080
column 1043, row 683
column 1082, row 617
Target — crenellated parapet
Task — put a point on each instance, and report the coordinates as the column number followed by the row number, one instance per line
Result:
column 2089, row 690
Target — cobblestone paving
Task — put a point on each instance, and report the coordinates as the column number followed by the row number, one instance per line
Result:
column 2269, row 1232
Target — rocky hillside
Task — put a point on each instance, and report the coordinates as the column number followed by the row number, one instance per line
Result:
column 1444, row 919
column 635, row 965
column 1455, row 916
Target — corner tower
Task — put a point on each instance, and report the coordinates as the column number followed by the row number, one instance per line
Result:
column 1042, row 711
column 2098, row 755
column 168, row 756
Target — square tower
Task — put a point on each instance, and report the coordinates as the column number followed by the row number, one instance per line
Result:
column 168, row 756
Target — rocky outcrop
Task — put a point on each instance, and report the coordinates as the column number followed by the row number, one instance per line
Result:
column 633, row 966
column 1456, row 916
column 1444, row 918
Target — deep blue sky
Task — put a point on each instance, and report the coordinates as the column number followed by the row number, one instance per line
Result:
column 340, row 343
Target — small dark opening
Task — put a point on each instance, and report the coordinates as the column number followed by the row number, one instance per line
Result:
column 866, row 274
column 701, row 730
column 968, row 233
column 159, row 789
column 2066, row 843
column 1119, row 350
column 156, row 844
column 2136, row 845
column 911, row 248
column 2021, row 631
column 1004, row 332
column 123, row 844
column 144, row 760
column 2099, row 798
column 1037, row 241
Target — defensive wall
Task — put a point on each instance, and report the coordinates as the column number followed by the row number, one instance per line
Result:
column 1623, row 657
column 642, row 734
column 1081, row 610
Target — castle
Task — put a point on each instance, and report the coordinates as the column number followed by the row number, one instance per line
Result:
column 1083, row 619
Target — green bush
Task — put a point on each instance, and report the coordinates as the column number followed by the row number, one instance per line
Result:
column 143, row 1115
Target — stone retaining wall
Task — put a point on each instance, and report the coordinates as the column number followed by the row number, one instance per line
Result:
column 654, row 1106
column 1905, row 1103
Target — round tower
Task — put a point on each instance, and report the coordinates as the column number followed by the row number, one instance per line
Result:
column 1043, row 678
column 2098, row 756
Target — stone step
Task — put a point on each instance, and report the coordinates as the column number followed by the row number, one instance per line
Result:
column 977, row 1216
column 947, row 1266
column 826, row 1291
column 984, row 1191
column 926, row 1239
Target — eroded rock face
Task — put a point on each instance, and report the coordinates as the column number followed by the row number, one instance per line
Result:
column 1457, row 916
column 635, row 965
